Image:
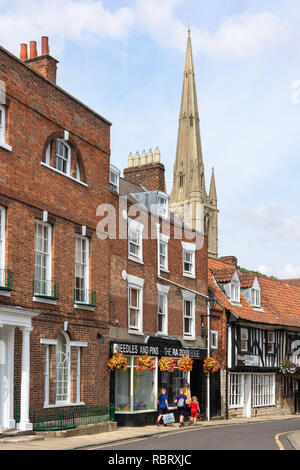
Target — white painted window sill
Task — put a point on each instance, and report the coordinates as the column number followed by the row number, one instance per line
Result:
column 4, row 293
column 137, row 260
column 189, row 338
column 191, row 276
column 134, row 332
column 60, row 405
column 5, row 146
column 64, row 174
column 84, row 307
column 43, row 300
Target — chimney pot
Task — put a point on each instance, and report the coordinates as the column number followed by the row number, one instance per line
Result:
column 45, row 45
column 23, row 53
column 33, row 49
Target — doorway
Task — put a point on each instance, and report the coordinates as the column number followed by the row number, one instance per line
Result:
column 247, row 396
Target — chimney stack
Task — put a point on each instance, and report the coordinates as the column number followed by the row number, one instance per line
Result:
column 45, row 45
column 33, row 49
column 23, row 53
column 146, row 170
column 44, row 64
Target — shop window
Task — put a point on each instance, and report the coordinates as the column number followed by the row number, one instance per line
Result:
column 135, row 390
column 236, row 390
column 172, row 382
column 263, row 389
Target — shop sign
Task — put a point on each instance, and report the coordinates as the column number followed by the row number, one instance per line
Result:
column 138, row 349
column 135, row 349
column 248, row 360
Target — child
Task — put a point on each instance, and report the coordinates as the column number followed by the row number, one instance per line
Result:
column 162, row 405
column 181, row 400
column 194, row 405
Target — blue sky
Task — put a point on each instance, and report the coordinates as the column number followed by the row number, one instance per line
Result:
column 125, row 59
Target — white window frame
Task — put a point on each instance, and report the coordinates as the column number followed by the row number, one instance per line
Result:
column 2, row 124
column 270, row 334
column 189, row 297
column 235, row 292
column 163, row 292
column 236, row 391
column 213, row 339
column 137, row 228
column 245, row 333
column 263, row 390
column 47, row 254
column 163, row 209
column 137, row 284
column 68, row 164
column 2, row 237
column 76, row 344
column 3, row 128
column 85, row 265
column 255, row 297
column 163, row 241
column 188, row 248
column 114, row 185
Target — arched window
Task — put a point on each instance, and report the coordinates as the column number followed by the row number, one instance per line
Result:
column 63, row 368
column 63, row 156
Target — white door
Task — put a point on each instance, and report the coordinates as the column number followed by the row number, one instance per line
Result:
column 2, row 376
column 247, row 396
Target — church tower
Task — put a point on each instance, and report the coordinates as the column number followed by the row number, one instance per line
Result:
column 189, row 198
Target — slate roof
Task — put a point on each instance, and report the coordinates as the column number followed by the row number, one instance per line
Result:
column 280, row 300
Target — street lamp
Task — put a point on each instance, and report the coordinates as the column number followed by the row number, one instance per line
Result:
column 211, row 303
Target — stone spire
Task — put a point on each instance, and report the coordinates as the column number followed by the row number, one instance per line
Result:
column 188, row 197
column 212, row 189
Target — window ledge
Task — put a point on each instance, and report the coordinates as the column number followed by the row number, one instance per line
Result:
column 164, row 270
column 191, row 276
column 133, row 332
column 189, row 338
column 64, row 174
column 60, row 405
column 84, row 307
column 44, row 300
column 4, row 293
column 131, row 258
column 5, row 146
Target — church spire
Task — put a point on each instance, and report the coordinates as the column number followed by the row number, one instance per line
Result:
column 188, row 197
column 212, row 189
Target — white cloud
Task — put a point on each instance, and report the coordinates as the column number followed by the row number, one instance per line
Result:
column 237, row 36
column 273, row 221
column 245, row 36
column 287, row 272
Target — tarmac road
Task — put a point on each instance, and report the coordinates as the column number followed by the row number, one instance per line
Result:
column 271, row 435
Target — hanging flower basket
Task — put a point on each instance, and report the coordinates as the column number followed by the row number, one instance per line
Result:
column 166, row 364
column 287, row 367
column 210, row 365
column 185, row 364
column 117, row 362
column 145, row 362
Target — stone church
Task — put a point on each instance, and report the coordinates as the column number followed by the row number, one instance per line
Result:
column 189, row 198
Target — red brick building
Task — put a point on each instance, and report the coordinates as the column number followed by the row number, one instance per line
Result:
column 158, row 294
column 54, row 298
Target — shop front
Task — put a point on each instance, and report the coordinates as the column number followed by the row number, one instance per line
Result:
column 134, row 392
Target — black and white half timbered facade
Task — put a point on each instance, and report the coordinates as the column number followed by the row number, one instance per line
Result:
column 262, row 317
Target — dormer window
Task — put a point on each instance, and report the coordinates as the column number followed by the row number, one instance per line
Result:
column 255, row 297
column 235, row 292
column 114, row 179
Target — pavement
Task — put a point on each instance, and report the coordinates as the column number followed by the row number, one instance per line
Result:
column 38, row 441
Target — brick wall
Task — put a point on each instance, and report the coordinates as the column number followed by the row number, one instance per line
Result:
column 151, row 176
column 36, row 110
